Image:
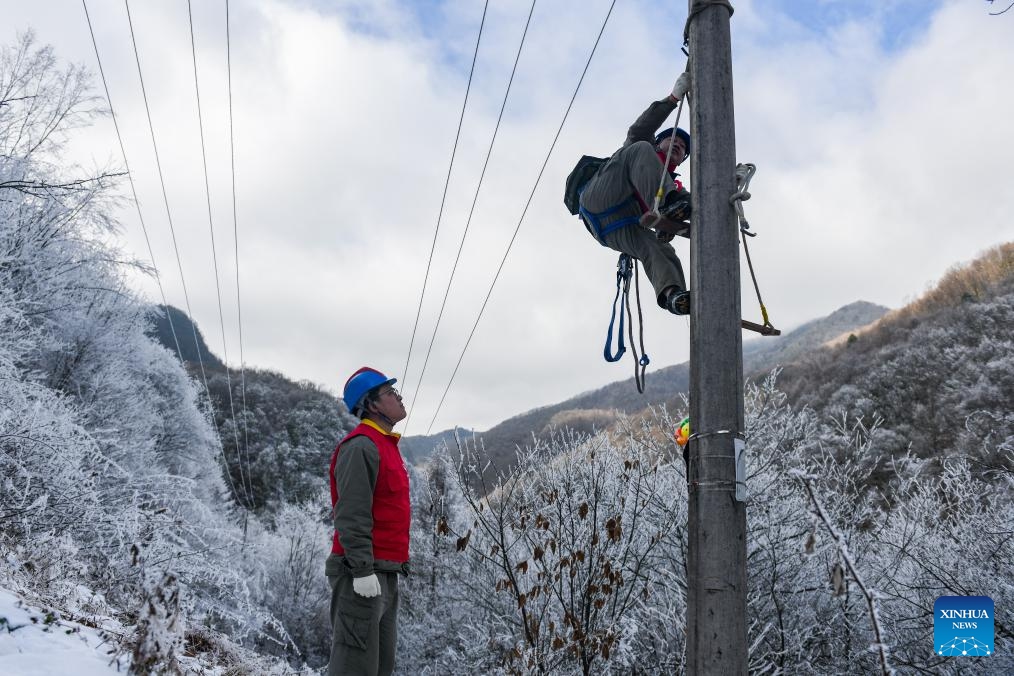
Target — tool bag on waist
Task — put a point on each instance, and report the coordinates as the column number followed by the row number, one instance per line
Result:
column 583, row 171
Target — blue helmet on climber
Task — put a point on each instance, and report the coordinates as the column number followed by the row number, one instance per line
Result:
column 680, row 133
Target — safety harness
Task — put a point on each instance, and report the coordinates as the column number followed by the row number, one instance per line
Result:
column 593, row 219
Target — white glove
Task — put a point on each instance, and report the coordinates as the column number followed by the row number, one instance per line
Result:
column 368, row 586
column 681, row 87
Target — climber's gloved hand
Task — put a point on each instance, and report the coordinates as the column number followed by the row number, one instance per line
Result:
column 368, row 586
column 681, row 87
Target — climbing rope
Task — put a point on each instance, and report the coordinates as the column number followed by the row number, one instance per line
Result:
column 745, row 172
column 626, row 267
column 642, row 362
column 660, row 193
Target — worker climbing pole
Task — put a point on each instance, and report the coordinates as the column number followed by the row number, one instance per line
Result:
column 633, row 202
column 614, row 196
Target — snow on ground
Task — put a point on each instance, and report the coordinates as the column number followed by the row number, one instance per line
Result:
column 35, row 642
column 86, row 641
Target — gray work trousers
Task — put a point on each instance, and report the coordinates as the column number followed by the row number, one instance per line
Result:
column 635, row 167
column 365, row 630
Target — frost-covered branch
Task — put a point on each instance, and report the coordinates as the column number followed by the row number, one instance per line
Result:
column 843, row 549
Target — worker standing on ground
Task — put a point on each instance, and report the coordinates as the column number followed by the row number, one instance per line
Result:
column 616, row 201
column 371, row 510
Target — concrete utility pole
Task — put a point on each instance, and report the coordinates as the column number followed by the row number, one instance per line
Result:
column 716, row 614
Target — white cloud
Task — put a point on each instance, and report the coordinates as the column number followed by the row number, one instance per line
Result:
column 879, row 167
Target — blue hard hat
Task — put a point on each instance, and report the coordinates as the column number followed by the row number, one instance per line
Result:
column 679, row 131
column 360, row 383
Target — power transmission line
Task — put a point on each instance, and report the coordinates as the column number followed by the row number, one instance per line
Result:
column 130, row 179
column 468, row 222
column 443, row 199
column 523, row 214
column 214, row 258
column 235, row 233
column 172, row 231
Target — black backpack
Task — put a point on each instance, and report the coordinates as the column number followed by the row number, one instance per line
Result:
column 583, row 171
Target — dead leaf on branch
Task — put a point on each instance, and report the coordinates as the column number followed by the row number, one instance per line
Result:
column 613, row 528
column 838, row 582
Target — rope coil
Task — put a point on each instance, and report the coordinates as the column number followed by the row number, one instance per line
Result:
column 744, row 172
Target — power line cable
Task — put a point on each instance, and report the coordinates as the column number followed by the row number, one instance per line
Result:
column 468, row 222
column 172, row 231
column 214, row 258
column 523, row 213
column 130, row 179
column 443, row 199
column 235, row 233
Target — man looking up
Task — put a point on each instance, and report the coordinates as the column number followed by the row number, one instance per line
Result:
column 371, row 511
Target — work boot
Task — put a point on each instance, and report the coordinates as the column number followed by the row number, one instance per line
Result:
column 678, row 302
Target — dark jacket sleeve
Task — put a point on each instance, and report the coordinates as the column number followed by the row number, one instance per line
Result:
column 647, row 124
column 355, row 473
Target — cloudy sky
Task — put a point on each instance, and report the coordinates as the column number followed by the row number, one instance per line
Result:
column 880, row 129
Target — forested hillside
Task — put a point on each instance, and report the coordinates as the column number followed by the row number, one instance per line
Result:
column 277, row 434
column 936, row 375
column 173, row 329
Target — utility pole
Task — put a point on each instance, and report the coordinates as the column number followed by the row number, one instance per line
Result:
column 716, row 613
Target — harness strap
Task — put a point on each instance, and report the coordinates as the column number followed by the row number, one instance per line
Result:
column 593, row 220
column 623, row 272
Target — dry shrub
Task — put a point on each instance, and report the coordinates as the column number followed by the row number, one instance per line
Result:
column 977, row 280
column 987, row 276
column 586, row 420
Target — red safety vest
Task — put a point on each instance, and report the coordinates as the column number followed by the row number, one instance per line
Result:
column 391, row 510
